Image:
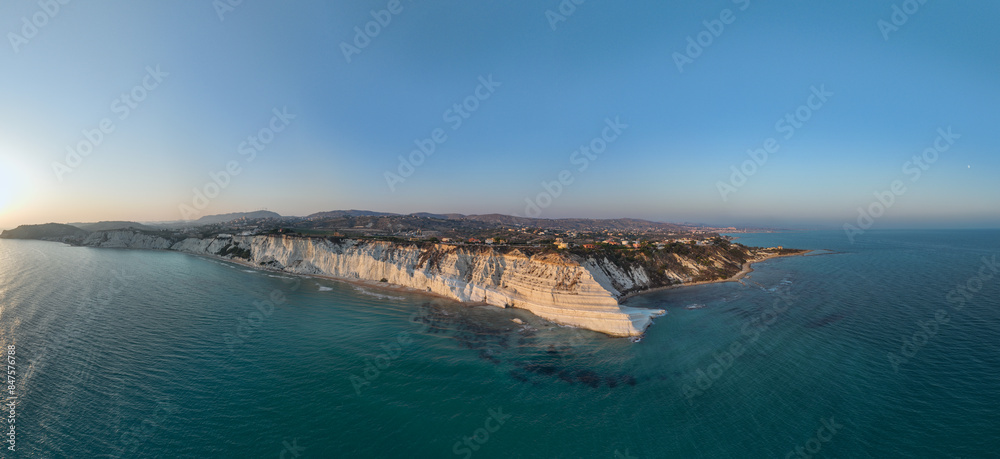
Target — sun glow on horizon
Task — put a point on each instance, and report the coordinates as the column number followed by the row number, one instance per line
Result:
column 16, row 185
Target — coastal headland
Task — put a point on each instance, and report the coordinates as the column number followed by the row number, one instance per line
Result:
column 570, row 283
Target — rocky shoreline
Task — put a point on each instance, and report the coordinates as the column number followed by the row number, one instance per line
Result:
column 586, row 291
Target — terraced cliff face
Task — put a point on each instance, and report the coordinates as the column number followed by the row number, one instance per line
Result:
column 126, row 240
column 553, row 286
column 562, row 287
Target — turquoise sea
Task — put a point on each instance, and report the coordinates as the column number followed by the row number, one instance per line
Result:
column 888, row 347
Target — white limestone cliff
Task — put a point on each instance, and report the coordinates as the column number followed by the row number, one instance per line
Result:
column 561, row 288
column 125, row 239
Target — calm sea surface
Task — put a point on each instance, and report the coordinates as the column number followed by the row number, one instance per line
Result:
column 888, row 347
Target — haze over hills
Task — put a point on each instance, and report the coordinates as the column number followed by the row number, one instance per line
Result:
column 347, row 213
column 112, row 225
column 47, row 231
column 222, row 218
column 384, row 222
column 60, row 231
column 511, row 220
column 564, row 224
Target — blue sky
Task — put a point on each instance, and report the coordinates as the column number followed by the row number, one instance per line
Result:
column 225, row 78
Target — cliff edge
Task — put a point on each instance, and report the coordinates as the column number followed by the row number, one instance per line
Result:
column 582, row 289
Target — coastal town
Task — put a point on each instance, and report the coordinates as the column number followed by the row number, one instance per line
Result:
column 577, row 235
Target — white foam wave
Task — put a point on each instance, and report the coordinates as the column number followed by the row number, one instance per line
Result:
column 380, row 296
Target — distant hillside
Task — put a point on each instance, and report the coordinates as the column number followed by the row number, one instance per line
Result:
column 222, row 218
column 451, row 225
column 113, row 225
column 437, row 216
column 348, row 213
column 346, row 217
column 47, row 231
column 580, row 224
column 373, row 223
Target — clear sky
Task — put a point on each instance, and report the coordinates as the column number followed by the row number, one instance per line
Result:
column 215, row 75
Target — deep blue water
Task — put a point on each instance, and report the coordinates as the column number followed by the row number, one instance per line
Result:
column 125, row 353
